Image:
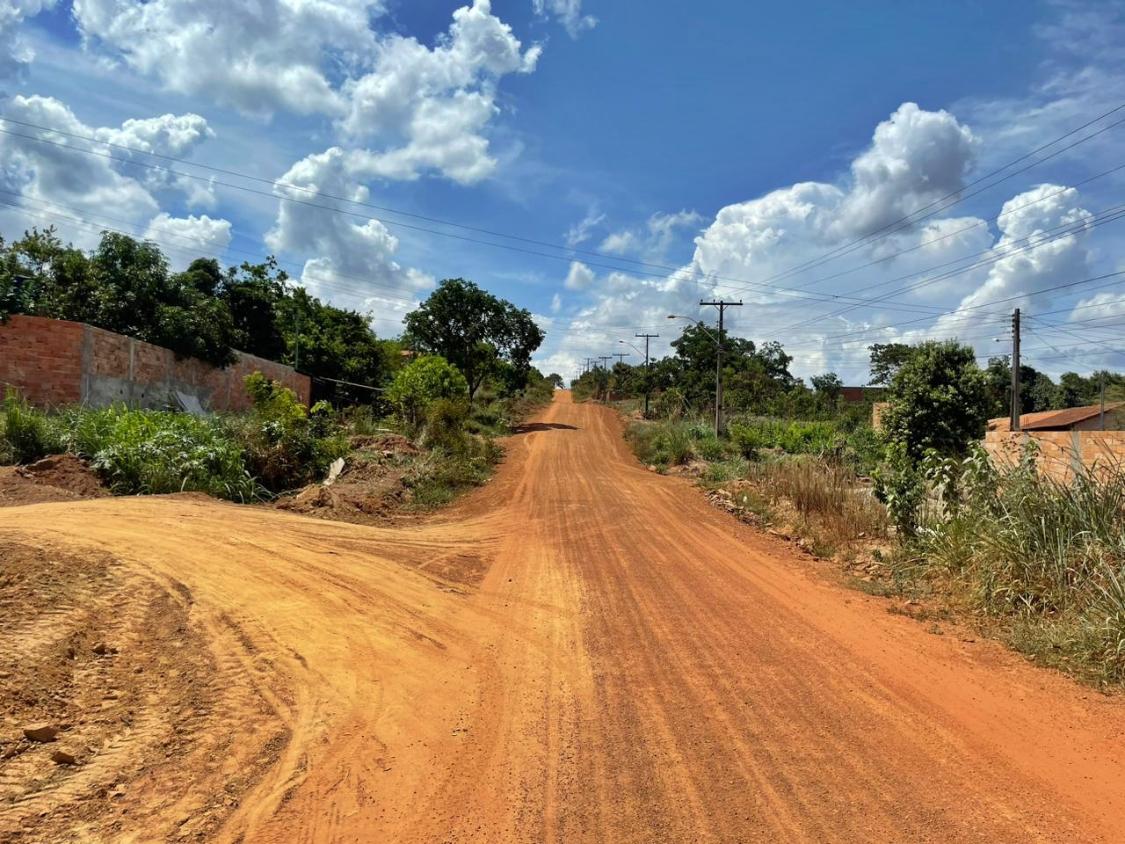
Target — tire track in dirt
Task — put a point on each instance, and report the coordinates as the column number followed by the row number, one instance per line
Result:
column 580, row 651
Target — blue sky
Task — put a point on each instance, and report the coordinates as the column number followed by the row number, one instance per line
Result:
column 701, row 150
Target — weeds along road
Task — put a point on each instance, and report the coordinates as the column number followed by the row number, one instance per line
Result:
column 580, row 651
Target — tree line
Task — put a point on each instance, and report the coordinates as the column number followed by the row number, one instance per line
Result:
column 206, row 311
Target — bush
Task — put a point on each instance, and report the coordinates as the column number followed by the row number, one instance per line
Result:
column 445, row 425
column 26, row 433
column 422, row 382
column 151, row 451
column 439, row 476
column 749, row 440
column 285, row 444
column 1048, row 556
column 806, row 437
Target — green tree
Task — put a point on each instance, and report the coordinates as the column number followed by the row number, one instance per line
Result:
column 474, row 330
column 253, row 293
column 938, row 400
column 887, row 359
column 421, row 383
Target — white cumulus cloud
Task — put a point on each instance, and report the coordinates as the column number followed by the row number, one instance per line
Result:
column 568, row 12
column 422, row 108
column 15, row 53
column 258, row 57
column 185, row 235
column 50, row 172
column 353, row 263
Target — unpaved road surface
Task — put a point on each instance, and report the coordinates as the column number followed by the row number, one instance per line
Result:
column 580, row 651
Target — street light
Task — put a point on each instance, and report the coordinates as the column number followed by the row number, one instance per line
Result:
column 718, row 369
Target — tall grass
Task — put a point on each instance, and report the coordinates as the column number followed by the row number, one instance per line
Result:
column 150, row 451
column 836, row 507
column 26, row 434
column 1046, row 555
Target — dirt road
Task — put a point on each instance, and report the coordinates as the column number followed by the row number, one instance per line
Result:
column 581, row 651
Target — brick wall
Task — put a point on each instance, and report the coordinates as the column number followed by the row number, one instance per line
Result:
column 55, row 362
column 1061, row 453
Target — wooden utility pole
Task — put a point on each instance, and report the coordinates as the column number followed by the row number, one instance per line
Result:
column 722, row 306
column 1015, row 421
column 605, row 369
column 647, row 385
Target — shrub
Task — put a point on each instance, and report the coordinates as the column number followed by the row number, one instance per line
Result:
column 26, row 433
column 711, row 448
column 285, row 444
column 421, row 382
column 670, row 404
column 1046, row 555
column 662, row 443
column 445, row 425
column 748, row 439
column 439, row 476
column 150, row 451
column 807, row 437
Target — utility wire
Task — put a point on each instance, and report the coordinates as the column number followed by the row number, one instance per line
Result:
column 387, row 209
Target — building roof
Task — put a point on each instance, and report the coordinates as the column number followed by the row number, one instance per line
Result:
column 1047, row 420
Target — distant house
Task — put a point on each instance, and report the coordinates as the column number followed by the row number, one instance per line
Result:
column 1088, row 418
column 860, row 395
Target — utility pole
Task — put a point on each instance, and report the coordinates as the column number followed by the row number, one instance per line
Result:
column 621, row 356
column 647, row 385
column 1015, row 421
column 722, row 306
column 605, row 369
column 1102, row 414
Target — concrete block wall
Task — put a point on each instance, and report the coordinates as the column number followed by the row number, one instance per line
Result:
column 1061, row 453
column 55, row 362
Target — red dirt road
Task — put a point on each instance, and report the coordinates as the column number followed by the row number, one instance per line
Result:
column 581, row 651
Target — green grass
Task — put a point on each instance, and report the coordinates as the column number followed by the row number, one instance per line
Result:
column 1045, row 560
column 437, row 477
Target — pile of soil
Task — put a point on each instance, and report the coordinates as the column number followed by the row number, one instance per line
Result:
column 60, row 477
column 369, row 490
column 385, row 443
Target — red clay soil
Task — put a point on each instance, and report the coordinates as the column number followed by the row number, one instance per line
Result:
column 60, row 477
column 580, row 651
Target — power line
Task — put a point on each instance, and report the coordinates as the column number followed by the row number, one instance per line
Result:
column 620, row 259
column 1103, row 217
column 906, row 221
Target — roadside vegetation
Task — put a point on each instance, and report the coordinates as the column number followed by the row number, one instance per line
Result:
column 914, row 511
column 415, row 426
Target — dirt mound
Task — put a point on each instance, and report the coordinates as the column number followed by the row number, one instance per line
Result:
column 106, row 689
column 60, row 477
column 369, row 490
column 386, row 442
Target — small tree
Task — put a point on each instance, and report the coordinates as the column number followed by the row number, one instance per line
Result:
column 474, row 330
column 938, row 405
column 938, row 401
column 422, row 382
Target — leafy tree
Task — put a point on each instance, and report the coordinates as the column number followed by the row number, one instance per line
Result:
column 938, row 406
column 828, row 385
column 1037, row 391
column 887, row 359
column 474, row 330
column 253, row 293
column 421, row 383
column 556, row 380
column 938, row 400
